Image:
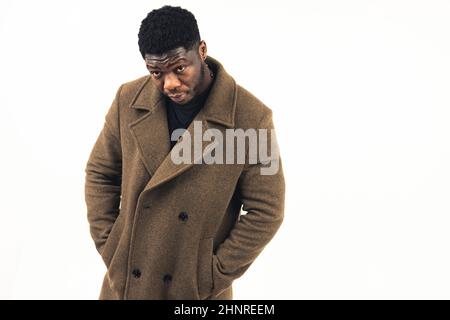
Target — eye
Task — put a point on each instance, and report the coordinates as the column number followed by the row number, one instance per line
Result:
column 155, row 74
column 181, row 68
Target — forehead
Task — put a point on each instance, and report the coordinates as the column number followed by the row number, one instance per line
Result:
column 167, row 58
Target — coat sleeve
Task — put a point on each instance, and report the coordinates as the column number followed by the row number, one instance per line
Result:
column 262, row 197
column 103, row 178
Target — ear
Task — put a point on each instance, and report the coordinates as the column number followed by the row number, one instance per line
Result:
column 202, row 50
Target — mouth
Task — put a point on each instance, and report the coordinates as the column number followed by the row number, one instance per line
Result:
column 177, row 97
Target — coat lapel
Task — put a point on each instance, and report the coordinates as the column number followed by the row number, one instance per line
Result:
column 151, row 132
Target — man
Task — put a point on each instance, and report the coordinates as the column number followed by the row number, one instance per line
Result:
column 168, row 229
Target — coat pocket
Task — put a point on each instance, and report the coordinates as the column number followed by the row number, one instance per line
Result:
column 204, row 268
column 112, row 240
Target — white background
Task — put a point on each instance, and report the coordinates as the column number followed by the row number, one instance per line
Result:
column 360, row 94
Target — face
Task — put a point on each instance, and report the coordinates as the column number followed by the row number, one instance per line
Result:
column 178, row 73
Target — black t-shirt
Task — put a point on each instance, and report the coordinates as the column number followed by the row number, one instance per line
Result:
column 181, row 115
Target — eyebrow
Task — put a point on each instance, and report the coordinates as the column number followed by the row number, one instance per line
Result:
column 175, row 62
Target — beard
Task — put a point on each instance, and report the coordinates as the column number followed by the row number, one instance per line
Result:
column 201, row 78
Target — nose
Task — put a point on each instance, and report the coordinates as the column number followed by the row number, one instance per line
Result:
column 171, row 82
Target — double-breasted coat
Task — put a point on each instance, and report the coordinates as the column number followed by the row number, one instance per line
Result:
column 170, row 230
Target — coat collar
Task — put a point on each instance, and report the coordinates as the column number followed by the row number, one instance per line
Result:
column 151, row 132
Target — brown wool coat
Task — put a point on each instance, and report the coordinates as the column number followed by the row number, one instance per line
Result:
column 176, row 231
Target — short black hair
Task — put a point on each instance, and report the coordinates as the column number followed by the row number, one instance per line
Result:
column 167, row 28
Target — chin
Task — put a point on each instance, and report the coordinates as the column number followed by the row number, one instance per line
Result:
column 186, row 100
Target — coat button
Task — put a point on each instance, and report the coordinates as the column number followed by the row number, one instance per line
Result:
column 183, row 216
column 167, row 278
column 136, row 273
